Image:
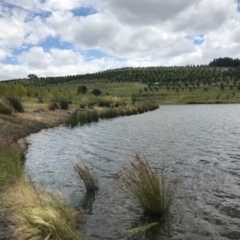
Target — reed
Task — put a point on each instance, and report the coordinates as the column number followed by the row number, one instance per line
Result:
column 149, row 189
column 90, row 182
column 73, row 120
column 38, row 215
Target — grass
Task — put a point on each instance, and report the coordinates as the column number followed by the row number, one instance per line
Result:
column 149, row 189
column 38, row 215
column 5, row 108
column 11, row 159
column 90, row 182
column 34, row 215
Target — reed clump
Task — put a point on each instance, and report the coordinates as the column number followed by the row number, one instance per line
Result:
column 38, row 215
column 149, row 189
column 84, row 173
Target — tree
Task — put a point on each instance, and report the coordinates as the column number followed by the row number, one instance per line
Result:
column 32, row 76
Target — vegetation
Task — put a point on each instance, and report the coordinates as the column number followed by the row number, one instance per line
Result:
column 151, row 191
column 90, row 182
column 16, row 104
column 82, row 89
column 64, row 104
column 225, row 62
column 11, row 159
column 38, row 215
column 33, row 214
column 5, row 108
column 96, row 92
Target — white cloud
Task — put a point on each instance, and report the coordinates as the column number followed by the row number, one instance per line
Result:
column 143, row 33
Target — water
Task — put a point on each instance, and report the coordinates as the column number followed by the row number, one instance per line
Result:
column 199, row 144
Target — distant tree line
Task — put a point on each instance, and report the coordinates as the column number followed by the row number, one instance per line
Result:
column 225, row 62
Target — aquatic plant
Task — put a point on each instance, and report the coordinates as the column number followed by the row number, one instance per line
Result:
column 149, row 189
column 73, row 120
column 38, row 215
column 90, row 182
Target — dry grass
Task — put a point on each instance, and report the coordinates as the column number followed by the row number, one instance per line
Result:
column 148, row 188
column 90, row 182
column 37, row 215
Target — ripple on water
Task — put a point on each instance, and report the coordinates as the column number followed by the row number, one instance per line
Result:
column 199, row 144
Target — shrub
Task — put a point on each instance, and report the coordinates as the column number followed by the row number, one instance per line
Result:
column 96, row 92
column 16, row 104
column 152, row 192
column 38, row 215
column 64, row 105
column 90, row 182
column 5, row 109
column 82, row 89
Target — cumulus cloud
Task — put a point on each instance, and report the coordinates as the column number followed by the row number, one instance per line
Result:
column 129, row 33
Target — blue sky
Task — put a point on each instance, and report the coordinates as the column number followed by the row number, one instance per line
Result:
column 65, row 37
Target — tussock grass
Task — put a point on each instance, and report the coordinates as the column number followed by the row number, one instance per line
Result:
column 90, row 182
column 5, row 108
column 149, row 189
column 37, row 215
column 16, row 104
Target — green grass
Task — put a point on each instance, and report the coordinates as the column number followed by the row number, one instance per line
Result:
column 149, row 189
column 11, row 160
column 89, row 180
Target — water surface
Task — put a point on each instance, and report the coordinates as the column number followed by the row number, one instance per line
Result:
column 199, row 144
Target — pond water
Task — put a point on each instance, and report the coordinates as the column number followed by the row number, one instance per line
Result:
column 198, row 144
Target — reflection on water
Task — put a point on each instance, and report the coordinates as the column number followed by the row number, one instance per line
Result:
column 200, row 144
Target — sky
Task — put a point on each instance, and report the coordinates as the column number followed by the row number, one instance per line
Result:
column 68, row 37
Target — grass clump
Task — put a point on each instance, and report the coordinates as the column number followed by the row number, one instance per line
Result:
column 16, row 104
column 38, row 215
column 5, row 108
column 90, row 182
column 151, row 191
